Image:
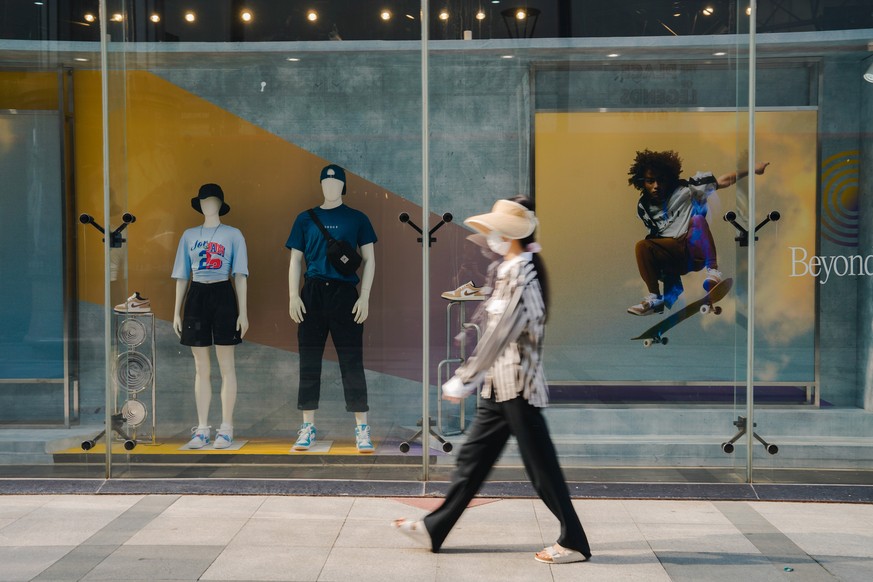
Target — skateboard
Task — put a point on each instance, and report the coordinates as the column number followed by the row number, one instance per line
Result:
column 706, row 304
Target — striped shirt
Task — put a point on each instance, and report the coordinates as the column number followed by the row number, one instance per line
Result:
column 672, row 218
column 509, row 355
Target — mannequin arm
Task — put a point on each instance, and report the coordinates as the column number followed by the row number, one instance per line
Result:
column 181, row 287
column 241, row 282
column 361, row 308
column 295, row 304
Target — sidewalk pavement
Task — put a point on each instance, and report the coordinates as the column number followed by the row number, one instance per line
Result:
column 342, row 539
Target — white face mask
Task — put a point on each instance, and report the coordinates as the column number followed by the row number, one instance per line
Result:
column 497, row 244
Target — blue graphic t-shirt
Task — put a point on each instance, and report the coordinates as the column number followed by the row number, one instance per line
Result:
column 343, row 223
column 211, row 254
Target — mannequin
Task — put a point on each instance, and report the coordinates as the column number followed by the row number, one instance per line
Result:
column 329, row 303
column 215, row 312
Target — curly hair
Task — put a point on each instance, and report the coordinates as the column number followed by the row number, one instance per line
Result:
column 665, row 165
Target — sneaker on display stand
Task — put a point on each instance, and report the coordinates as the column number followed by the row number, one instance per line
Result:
column 136, row 303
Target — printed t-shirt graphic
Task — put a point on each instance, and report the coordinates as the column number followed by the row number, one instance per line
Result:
column 212, row 254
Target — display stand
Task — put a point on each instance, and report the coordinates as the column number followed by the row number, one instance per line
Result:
column 134, row 382
column 463, row 325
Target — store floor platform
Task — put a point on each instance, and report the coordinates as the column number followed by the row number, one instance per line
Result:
column 339, row 538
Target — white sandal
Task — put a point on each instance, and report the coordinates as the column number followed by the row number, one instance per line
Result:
column 414, row 530
column 557, row 554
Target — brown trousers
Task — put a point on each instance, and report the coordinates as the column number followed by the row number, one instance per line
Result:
column 666, row 259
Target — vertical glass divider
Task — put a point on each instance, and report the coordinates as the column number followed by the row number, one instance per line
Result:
column 425, row 254
column 107, row 345
column 750, row 331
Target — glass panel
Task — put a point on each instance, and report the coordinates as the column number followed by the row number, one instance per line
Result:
column 813, row 277
column 41, row 379
column 260, row 122
column 562, row 120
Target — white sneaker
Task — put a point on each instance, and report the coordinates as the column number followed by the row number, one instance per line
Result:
column 199, row 438
column 650, row 304
column 466, row 292
column 134, row 304
column 305, row 437
column 223, row 438
column 713, row 278
column 362, row 439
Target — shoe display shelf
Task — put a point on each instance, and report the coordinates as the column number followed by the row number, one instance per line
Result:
column 133, row 381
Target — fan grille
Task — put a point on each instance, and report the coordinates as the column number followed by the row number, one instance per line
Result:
column 133, row 371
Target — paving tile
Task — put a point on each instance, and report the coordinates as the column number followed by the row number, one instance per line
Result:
column 76, row 563
column 228, row 506
column 687, row 512
column 15, row 506
column 499, row 563
column 180, row 562
column 25, row 562
column 255, row 562
column 379, row 565
column 305, row 507
column 191, row 531
column 276, row 531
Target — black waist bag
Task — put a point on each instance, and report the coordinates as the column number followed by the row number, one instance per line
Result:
column 340, row 254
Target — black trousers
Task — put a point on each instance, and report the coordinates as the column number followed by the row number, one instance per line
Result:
column 329, row 310
column 494, row 423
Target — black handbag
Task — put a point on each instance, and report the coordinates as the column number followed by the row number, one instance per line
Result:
column 343, row 256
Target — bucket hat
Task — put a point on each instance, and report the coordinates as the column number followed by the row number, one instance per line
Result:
column 210, row 191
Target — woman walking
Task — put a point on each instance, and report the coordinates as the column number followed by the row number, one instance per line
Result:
column 507, row 364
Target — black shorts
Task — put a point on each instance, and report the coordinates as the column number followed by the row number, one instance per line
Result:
column 210, row 315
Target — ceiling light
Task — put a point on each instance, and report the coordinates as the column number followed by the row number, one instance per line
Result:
column 39, row 3
column 708, row 11
column 293, row 59
column 506, row 57
column 444, row 15
column 385, row 15
column 410, row 17
column 312, row 16
column 520, row 14
column 155, row 18
column 89, row 17
column 719, row 54
column 480, row 15
column 80, row 59
column 190, row 16
column 868, row 76
column 613, row 55
column 748, row 11
column 117, row 17
column 246, row 15
column 677, row 14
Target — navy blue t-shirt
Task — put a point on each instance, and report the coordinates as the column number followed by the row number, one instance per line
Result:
column 343, row 223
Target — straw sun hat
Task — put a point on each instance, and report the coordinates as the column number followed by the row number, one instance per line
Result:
column 508, row 218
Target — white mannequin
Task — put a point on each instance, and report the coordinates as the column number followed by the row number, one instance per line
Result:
column 332, row 190
column 225, row 354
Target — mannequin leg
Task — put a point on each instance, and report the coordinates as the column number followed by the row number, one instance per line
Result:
column 202, row 384
column 227, row 366
column 360, row 418
column 348, row 338
column 309, row 416
column 311, row 339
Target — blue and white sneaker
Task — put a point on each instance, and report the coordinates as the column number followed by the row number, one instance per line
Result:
column 199, row 438
column 362, row 439
column 305, row 437
column 223, row 438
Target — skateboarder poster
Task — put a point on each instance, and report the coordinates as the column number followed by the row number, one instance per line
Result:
column 585, row 203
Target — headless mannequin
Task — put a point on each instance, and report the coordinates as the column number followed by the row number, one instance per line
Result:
column 332, row 190
column 224, row 354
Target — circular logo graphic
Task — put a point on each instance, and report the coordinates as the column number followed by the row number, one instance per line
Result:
column 839, row 190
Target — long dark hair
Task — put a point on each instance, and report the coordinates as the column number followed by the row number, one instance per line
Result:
column 537, row 260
